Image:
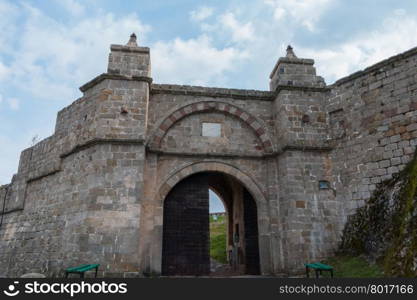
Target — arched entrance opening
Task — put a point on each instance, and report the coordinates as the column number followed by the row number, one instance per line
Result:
column 186, row 231
column 218, row 233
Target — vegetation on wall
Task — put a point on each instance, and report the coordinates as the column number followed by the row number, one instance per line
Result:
column 385, row 229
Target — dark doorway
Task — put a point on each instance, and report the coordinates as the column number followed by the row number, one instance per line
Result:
column 185, row 245
column 186, row 231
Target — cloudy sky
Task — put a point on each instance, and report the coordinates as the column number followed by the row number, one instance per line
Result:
column 49, row 48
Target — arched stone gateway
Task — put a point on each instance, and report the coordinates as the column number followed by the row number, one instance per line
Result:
column 185, row 249
column 184, row 191
column 178, row 174
column 294, row 161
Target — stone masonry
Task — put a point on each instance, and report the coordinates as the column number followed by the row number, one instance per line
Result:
column 93, row 192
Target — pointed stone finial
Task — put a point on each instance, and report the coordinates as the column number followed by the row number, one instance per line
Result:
column 132, row 41
column 290, row 52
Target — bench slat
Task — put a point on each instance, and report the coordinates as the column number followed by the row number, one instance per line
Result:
column 319, row 266
column 72, row 269
column 82, row 268
column 323, row 266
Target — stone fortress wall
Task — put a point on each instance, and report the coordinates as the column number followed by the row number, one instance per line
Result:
column 93, row 192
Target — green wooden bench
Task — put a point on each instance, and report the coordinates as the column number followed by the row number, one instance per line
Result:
column 318, row 268
column 81, row 270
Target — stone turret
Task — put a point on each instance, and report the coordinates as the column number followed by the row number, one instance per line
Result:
column 123, row 93
column 301, row 120
column 130, row 59
column 293, row 71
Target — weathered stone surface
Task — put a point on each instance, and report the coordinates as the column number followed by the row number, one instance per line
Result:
column 33, row 275
column 385, row 228
column 93, row 192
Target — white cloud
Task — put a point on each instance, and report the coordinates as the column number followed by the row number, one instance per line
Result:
column 193, row 61
column 304, row 12
column 13, row 103
column 3, row 71
column 72, row 6
column 54, row 58
column 397, row 34
column 239, row 31
column 8, row 29
column 201, row 13
column 400, row 12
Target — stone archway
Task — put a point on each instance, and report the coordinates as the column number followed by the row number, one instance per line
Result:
column 184, row 171
column 186, row 243
column 251, row 121
column 247, row 182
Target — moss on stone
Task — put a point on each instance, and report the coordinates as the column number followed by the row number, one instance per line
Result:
column 385, row 229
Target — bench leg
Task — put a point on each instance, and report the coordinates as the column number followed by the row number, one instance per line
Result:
column 66, row 274
column 317, row 273
column 307, row 272
column 97, row 270
column 331, row 273
column 82, row 275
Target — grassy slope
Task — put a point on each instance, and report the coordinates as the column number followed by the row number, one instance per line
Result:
column 218, row 240
column 350, row 266
column 344, row 266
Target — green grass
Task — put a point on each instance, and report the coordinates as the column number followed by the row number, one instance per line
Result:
column 344, row 266
column 218, row 239
column 352, row 267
